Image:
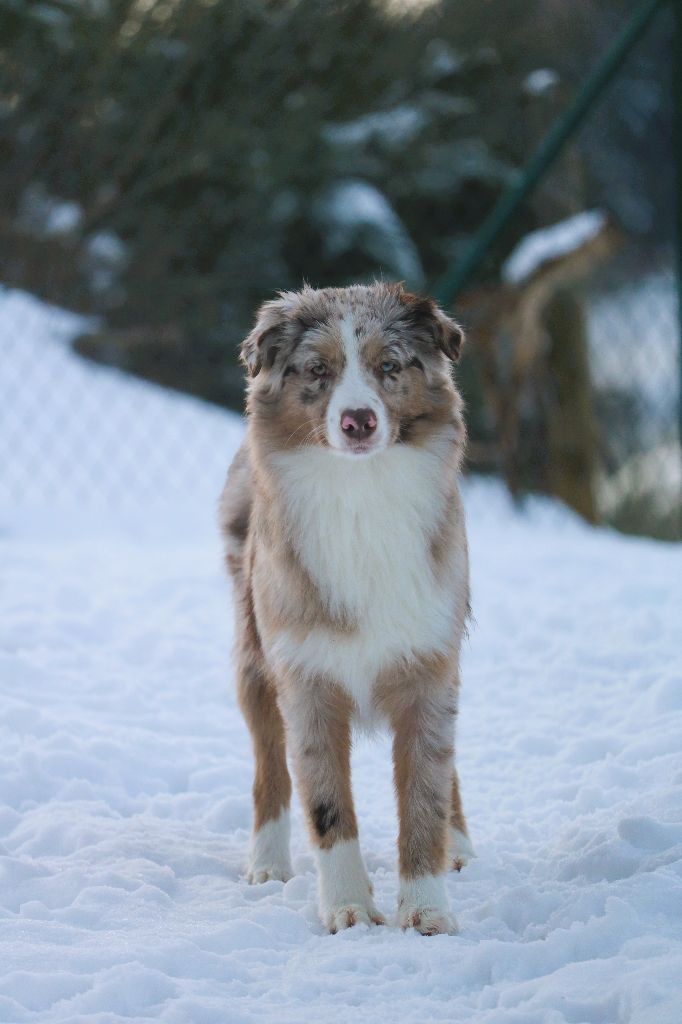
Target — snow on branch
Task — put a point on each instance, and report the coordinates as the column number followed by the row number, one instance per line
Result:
column 550, row 244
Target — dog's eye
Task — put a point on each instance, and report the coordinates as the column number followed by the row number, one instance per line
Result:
column 389, row 366
column 319, row 369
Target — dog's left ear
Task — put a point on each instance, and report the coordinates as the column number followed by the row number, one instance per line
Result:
column 450, row 334
column 427, row 318
column 259, row 349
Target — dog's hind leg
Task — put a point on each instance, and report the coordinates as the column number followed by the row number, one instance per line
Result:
column 270, row 856
column 461, row 848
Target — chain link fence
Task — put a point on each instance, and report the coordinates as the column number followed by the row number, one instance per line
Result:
column 73, row 432
column 634, row 343
column 573, row 386
column 571, row 373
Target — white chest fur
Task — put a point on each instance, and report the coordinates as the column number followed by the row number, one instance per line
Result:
column 363, row 529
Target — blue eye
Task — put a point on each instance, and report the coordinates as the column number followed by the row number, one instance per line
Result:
column 389, row 366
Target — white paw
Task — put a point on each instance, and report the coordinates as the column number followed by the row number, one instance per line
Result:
column 461, row 849
column 259, row 873
column 345, row 890
column 423, row 905
column 270, row 852
column 427, row 920
column 338, row 918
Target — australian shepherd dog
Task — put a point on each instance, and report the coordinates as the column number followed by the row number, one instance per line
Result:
column 346, row 542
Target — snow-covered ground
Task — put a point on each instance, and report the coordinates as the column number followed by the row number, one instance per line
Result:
column 124, row 787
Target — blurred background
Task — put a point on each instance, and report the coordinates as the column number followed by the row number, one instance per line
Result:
column 166, row 165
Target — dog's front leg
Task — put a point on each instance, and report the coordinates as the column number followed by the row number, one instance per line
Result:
column 318, row 722
column 422, row 757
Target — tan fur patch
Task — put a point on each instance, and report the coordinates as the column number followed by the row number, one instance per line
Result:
column 457, row 819
column 319, row 716
column 272, row 785
column 421, row 702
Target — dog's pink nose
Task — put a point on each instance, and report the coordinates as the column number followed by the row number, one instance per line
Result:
column 358, row 423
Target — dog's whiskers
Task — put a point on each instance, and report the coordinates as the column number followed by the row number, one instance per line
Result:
column 317, row 433
column 299, row 427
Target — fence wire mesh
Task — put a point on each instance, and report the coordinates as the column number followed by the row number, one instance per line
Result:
column 73, row 432
column 634, row 343
column 195, row 203
column 573, row 386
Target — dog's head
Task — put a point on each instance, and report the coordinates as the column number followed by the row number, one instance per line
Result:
column 354, row 370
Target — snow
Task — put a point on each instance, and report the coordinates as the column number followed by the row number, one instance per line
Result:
column 396, row 127
column 107, row 256
column 126, row 768
column 71, row 430
column 540, row 82
column 441, row 60
column 47, row 215
column 354, row 212
column 633, row 333
column 551, row 243
column 108, row 247
column 654, row 475
column 634, row 342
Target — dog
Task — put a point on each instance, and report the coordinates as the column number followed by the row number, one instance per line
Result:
column 346, row 542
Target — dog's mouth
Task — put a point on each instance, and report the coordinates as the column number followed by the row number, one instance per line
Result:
column 356, row 449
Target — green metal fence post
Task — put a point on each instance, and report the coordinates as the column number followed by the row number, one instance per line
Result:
column 677, row 143
column 452, row 282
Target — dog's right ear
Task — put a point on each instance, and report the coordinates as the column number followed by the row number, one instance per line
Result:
column 260, row 347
